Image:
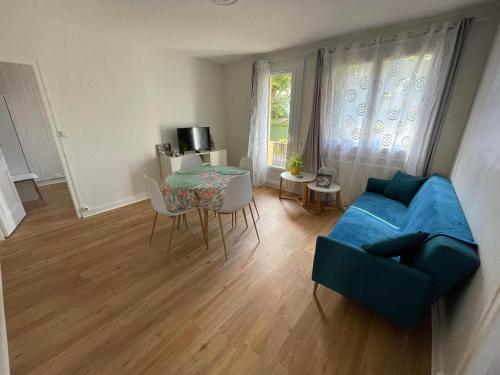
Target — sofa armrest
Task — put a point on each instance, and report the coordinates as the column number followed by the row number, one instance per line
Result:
column 458, row 259
column 376, row 185
column 393, row 290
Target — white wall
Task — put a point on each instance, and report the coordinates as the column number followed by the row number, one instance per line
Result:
column 238, row 88
column 483, row 30
column 116, row 100
column 468, row 337
column 9, row 141
column 464, row 90
column 18, row 84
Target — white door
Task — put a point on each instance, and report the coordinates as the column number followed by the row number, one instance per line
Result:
column 11, row 207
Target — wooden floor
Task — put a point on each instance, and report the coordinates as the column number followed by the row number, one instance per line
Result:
column 89, row 296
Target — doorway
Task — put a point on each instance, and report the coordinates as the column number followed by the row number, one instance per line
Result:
column 284, row 128
column 32, row 155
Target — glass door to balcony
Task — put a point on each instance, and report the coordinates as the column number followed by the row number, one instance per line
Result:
column 285, row 103
column 279, row 118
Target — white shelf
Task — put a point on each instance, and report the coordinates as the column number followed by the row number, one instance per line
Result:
column 171, row 164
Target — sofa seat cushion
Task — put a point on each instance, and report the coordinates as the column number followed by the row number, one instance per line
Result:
column 357, row 227
column 389, row 210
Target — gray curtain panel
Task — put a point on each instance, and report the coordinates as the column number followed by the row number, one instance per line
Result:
column 463, row 31
column 312, row 147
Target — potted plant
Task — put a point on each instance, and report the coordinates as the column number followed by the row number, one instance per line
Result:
column 295, row 163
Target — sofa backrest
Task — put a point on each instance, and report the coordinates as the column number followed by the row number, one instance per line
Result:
column 435, row 209
column 449, row 254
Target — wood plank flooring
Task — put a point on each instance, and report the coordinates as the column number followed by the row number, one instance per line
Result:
column 89, row 296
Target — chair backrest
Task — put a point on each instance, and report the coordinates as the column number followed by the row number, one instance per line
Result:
column 190, row 161
column 238, row 193
column 247, row 164
column 156, row 196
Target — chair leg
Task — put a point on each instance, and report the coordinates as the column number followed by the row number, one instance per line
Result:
column 255, row 205
column 153, row 230
column 232, row 220
column 38, row 192
column 205, row 222
column 178, row 218
column 254, row 225
column 171, row 235
column 222, row 234
column 185, row 221
column 245, row 216
column 315, row 288
column 236, row 219
column 202, row 228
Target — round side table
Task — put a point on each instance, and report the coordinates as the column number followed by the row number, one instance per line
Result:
column 303, row 179
column 332, row 189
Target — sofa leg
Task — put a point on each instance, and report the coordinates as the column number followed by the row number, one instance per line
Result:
column 315, row 288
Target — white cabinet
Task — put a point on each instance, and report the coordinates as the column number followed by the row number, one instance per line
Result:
column 171, row 164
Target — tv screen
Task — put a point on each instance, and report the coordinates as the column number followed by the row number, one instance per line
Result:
column 193, row 139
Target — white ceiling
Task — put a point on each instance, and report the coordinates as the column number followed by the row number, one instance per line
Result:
column 224, row 33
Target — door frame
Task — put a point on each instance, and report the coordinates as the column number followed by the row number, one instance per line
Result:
column 54, row 123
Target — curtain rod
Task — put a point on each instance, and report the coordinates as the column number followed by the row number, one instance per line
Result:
column 310, row 50
column 392, row 38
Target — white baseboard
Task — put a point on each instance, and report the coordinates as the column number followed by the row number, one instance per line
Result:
column 111, row 206
column 438, row 325
column 51, row 181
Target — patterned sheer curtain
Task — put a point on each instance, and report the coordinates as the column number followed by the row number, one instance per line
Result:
column 259, row 121
column 379, row 102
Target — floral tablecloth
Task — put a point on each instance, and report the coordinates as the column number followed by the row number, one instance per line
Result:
column 207, row 194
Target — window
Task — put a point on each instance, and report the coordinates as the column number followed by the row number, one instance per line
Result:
column 279, row 118
column 382, row 114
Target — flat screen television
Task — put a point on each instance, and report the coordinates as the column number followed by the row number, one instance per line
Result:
column 193, row 139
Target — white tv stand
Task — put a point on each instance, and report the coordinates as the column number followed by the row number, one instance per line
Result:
column 171, row 164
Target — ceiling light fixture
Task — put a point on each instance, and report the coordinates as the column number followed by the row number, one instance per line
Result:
column 224, row 2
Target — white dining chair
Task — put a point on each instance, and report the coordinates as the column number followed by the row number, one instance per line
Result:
column 160, row 208
column 247, row 164
column 190, row 161
column 238, row 194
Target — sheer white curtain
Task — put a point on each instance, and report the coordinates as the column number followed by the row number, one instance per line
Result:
column 259, row 121
column 379, row 102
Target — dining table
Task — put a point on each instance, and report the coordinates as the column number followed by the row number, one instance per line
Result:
column 199, row 188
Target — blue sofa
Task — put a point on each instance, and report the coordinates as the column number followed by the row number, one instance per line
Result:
column 398, row 288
